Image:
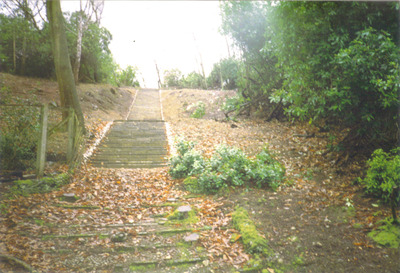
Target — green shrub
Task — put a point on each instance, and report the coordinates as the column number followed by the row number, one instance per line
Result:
column 187, row 162
column 19, row 132
column 233, row 104
column 199, row 111
column 232, row 164
column 383, row 174
column 267, row 170
column 228, row 167
column 211, row 182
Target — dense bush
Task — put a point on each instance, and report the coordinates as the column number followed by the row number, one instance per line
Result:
column 383, row 175
column 226, row 70
column 325, row 62
column 193, row 80
column 127, row 77
column 227, row 167
column 19, row 133
column 187, row 162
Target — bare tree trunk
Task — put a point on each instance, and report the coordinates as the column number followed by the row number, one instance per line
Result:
column 14, row 53
column 158, row 74
column 23, row 58
column 65, row 78
column 78, row 55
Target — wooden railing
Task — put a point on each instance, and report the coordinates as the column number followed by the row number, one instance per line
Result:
column 75, row 137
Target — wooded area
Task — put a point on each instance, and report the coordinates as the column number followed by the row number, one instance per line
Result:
column 329, row 63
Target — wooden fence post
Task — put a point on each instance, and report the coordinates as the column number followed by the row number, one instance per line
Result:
column 41, row 151
column 71, row 135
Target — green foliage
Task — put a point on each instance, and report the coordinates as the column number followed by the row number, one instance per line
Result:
column 383, row 174
column 30, row 46
column 257, row 75
column 331, row 61
column 365, row 90
column 387, row 234
column 191, row 184
column 19, row 132
column 231, row 167
column 187, row 162
column 46, row 184
column 193, row 80
column 228, row 167
column 96, row 59
column 127, row 77
column 22, row 42
column 225, row 70
column 308, row 37
column 172, row 78
column 199, row 109
column 233, row 104
column 252, row 239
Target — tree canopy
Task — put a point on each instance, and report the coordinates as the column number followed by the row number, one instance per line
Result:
column 25, row 47
column 325, row 62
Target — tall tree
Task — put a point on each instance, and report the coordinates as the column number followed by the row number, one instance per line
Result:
column 92, row 8
column 65, row 78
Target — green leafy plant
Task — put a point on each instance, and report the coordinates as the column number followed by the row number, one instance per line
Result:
column 228, row 167
column 19, row 132
column 199, row 109
column 383, row 175
column 187, row 162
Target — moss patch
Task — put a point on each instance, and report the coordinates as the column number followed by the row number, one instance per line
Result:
column 252, row 239
column 191, row 184
column 46, row 184
column 387, row 235
column 177, row 217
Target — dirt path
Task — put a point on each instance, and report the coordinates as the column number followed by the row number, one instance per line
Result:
column 319, row 220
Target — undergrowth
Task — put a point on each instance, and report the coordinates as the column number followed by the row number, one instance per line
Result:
column 228, row 167
column 383, row 175
column 43, row 185
column 199, row 109
column 19, row 131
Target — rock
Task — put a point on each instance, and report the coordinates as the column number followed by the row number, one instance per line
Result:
column 317, row 244
column 69, row 197
column 119, row 237
column 192, row 237
column 184, row 209
column 180, row 213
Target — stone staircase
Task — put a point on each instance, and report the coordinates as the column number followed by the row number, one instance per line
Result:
column 138, row 142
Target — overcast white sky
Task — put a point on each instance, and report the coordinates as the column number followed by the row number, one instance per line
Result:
column 164, row 32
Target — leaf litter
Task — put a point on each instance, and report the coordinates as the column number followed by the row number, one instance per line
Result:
column 308, row 218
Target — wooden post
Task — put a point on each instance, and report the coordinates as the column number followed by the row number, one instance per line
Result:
column 158, row 74
column 71, row 134
column 41, row 151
